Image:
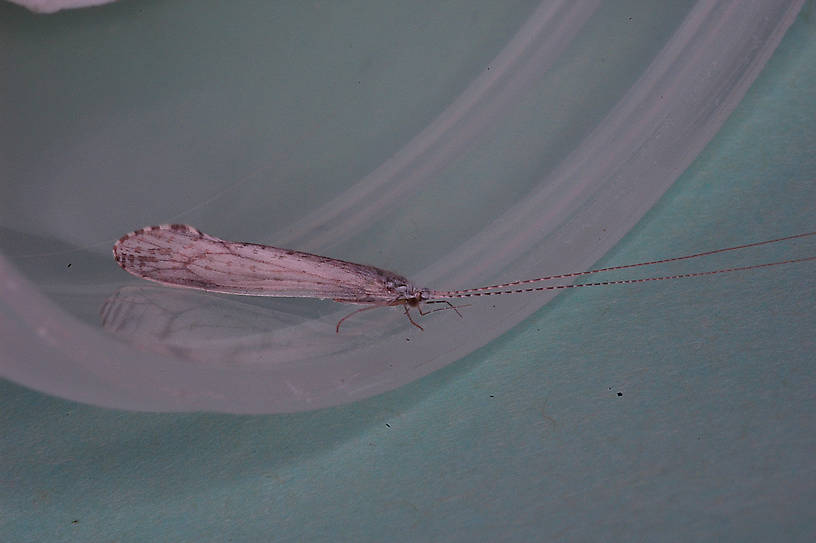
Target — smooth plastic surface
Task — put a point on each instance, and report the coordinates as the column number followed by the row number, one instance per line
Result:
column 52, row 6
column 459, row 145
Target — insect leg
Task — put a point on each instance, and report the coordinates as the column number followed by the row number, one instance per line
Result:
column 408, row 314
column 450, row 306
column 354, row 313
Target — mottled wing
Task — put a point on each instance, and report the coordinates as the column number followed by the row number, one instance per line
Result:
column 179, row 255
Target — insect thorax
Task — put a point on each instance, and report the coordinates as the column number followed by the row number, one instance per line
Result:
column 405, row 292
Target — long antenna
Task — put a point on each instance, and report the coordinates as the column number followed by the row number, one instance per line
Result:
column 469, row 294
column 473, row 291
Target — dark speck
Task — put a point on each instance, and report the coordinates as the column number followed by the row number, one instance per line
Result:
column 407, row 339
column 620, row 393
column 69, row 265
column 492, row 396
column 75, row 521
column 388, row 425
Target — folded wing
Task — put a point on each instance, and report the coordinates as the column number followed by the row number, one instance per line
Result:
column 179, row 255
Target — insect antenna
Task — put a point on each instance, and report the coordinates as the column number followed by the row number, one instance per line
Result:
column 626, row 266
column 468, row 293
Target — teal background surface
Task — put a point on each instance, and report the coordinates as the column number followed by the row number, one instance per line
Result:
column 671, row 411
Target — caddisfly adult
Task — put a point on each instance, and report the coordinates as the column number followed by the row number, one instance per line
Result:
column 181, row 256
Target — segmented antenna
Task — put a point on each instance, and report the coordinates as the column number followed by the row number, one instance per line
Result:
column 481, row 291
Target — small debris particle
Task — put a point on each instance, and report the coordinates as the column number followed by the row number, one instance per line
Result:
column 388, row 425
column 69, row 265
column 620, row 393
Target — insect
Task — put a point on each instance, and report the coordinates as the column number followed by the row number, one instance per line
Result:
column 182, row 256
